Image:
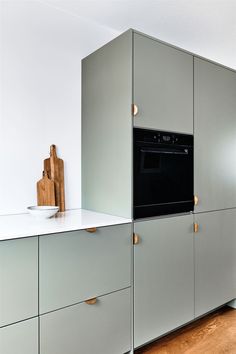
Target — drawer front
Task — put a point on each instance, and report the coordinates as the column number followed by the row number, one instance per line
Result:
column 75, row 266
column 18, row 280
column 102, row 328
column 20, row 338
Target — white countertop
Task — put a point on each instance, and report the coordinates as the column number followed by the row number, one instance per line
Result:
column 25, row 225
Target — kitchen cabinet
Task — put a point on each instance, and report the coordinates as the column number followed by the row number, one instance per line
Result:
column 163, row 276
column 214, row 136
column 78, row 265
column 102, row 328
column 20, row 338
column 138, row 81
column 107, row 128
column 215, row 261
column 18, row 280
column 131, row 69
column 163, row 86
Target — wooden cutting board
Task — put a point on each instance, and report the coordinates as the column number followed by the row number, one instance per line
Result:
column 55, row 170
column 46, row 191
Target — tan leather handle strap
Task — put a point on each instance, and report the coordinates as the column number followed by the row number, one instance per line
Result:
column 91, row 301
column 136, row 239
column 91, row 229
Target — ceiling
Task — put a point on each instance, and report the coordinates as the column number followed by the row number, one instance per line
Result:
column 205, row 27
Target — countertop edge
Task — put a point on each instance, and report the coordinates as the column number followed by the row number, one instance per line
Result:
column 19, row 226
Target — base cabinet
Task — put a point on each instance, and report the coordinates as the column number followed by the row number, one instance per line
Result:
column 20, row 338
column 76, row 266
column 215, row 260
column 101, row 328
column 18, row 280
column 163, row 277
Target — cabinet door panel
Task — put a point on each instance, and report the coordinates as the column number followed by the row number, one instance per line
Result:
column 163, row 277
column 215, row 261
column 75, row 266
column 18, row 280
column 214, row 136
column 20, row 338
column 102, row 328
column 163, row 86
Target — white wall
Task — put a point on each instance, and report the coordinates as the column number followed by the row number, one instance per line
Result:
column 40, row 53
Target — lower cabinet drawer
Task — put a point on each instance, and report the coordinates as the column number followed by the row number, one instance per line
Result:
column 20, row 338
column 101, row 328
column 75, row 266
column 18, row 280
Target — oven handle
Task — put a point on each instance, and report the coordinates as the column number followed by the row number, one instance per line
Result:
column 183, row 151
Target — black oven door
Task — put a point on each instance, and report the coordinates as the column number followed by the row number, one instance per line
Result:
column 163, row 179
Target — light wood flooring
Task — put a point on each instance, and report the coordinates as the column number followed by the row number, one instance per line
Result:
column 212, row 334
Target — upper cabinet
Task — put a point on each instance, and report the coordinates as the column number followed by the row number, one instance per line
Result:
column 163, row 86
column 214, row 136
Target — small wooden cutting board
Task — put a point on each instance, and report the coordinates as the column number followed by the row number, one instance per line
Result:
column 55, row 170
column 46, row 191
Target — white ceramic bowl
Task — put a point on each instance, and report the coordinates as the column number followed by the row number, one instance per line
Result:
column 45, row 211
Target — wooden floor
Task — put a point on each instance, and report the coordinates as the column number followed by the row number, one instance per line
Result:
column 213, row 334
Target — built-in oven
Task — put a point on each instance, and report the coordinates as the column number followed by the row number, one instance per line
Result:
column 162, row 172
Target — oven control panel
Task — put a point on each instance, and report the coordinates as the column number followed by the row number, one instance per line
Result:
column 160, row 137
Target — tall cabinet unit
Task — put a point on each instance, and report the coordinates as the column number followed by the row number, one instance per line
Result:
column 214, row 184
column 138, row 81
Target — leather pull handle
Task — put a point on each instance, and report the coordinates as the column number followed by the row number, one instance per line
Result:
column 92, row 301
column 195, row 227
column 136, row 239
column 91, row 229
column 134, row 109
column 196, row 200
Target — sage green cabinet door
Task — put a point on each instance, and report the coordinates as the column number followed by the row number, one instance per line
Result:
column 18, row 280
column 214, row 136
column 215, row 260
column 75, row 266
column 163, row 277
column 163, row 86
column 20, row 338
column 102, row 328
